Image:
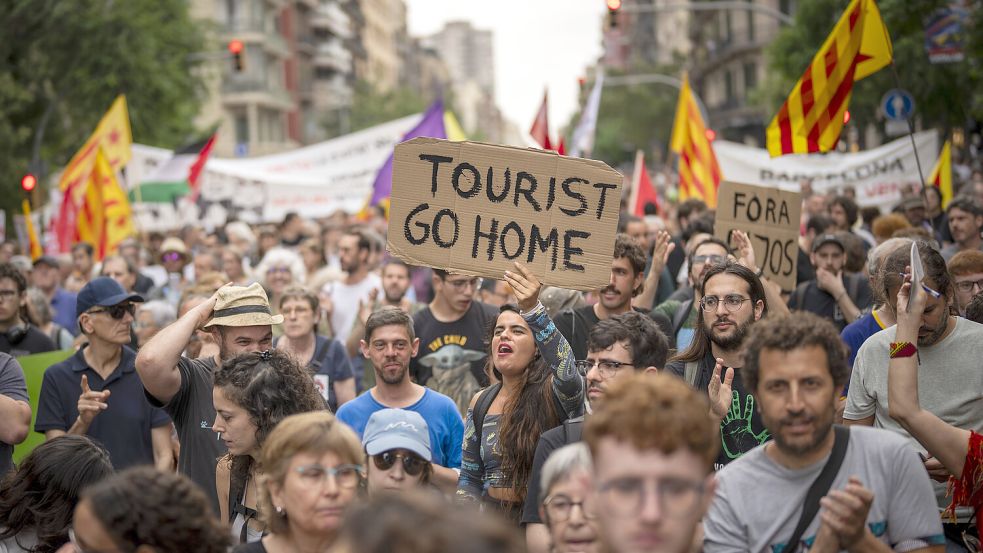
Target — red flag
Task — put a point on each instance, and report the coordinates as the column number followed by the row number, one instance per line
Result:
column 561, row 148
column 198, row 166
column 643, row 192
column 540, row 130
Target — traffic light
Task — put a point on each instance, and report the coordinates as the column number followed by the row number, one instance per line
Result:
column 28, row 182
column 613, row 7
column 711, row 135
column 236, row 47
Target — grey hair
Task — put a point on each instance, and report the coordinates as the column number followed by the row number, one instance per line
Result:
column 277, row 257
column 240, row 230
column 162, row 312
column 42, row 308
column 561, row 464
column 878, row 253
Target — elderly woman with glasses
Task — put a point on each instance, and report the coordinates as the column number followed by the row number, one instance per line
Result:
column 280, row 269
column 313, row 475
column 539, row 387
column 563, row 500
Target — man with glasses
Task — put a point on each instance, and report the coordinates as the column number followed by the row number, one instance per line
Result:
column 389, row 343
column 835, row 295
column 653, row 448
column 966, row 268
column 617, row 348
column 681, row 309
column 18, row 336
column 878, row 498
column 452, row 331
column 97, row 391
column 733, row 301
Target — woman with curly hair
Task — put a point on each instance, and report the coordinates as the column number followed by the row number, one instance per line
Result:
column 252, row 393
column 144, row 509
column 539, row 388
column 37, row 500
column 312, row 475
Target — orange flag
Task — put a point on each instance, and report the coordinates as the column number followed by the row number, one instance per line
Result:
column 811, row 118
column 104, row 219
column 699, row 173
column 113, row 135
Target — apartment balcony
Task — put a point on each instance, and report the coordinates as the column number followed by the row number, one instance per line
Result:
column 332, row 18
column 334, row 56
column 253, row 31
column 238, row 91
column 334, row 93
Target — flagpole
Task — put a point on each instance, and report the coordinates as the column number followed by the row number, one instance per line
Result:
column 911, row 130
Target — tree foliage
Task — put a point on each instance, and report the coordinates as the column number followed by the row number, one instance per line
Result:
column 371, row 107
column 71, row 59
column 946, row 95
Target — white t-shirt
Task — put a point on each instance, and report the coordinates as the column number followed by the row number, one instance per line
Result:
column 345, row 298
column 950, row 383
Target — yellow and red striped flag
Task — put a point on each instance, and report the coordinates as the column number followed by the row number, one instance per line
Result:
column 32, row 236
column 941, row 177
column 105, row 218
column 699, row 173
column 812, row 116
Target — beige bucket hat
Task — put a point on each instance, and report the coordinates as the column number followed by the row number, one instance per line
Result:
column 243, row 306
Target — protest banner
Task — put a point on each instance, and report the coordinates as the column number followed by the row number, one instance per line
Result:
column 473, row 208
column 34, row 367
column 879, row 175
column 770, row 217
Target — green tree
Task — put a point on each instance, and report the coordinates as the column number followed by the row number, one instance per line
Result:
column 946, row 95
column 632, row 117
column 371, row 107
column 63, row 63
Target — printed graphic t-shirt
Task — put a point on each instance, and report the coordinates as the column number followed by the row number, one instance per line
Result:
column 452, row 356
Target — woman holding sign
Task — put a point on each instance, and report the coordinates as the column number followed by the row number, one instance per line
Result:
column 539, row 387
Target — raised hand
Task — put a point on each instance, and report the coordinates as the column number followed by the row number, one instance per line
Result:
column 721, row 391
column 365, row 306
column 91, row 403
column 660, row 252
column 525, row 285
column 744, row 249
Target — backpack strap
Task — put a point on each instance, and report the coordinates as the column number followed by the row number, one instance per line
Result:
column 853, row 286
column 800, row 295
column 680, row 316
column 481, row 408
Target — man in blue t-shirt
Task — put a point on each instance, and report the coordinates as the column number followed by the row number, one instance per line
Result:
column 389, row 344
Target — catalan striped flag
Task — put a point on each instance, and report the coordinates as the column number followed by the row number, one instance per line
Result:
column 699, row 173
column 941, row 177
column 812, row 116
column 105, row 218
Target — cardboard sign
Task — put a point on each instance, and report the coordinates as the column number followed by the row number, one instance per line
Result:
column 771, row 218
column 474, row 209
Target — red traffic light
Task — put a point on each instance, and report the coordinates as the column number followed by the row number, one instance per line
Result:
column 846, row 117
column 711, row 135
column 235, row 46
column 28, row 182
column 614, row 5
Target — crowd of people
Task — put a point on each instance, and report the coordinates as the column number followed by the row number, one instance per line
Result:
column 293, row 388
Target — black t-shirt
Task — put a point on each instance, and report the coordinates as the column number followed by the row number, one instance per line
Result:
column 575, row 325
column 803, row 270
column 452, row 356
column 569, row 432
column 193, row 414
column 741, row 430
column 808, row 297
column 31, row 341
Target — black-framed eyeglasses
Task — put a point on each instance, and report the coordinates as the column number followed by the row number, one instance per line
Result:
column 559, row 507
column 964, row 287
column 462, row 285
column 117, row 311
column 708, row 259
column 626, row 496
column 606, row 367
column 412, row 464
column 732, row 302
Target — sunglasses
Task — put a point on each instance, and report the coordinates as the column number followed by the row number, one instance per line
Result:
column 171, row 256
column 412, row 464
column 118, row 311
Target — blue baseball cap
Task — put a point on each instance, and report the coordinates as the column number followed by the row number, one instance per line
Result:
column 102, row 292
column 389, row 429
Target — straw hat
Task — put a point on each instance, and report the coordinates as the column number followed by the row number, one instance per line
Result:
column 172, row 244
column 243, row 306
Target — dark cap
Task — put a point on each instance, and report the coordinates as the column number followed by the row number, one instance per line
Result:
column 48, row 260
column 821, row 241
column 102, row 292
column 912, row 202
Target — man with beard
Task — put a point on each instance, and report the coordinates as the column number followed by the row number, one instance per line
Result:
column 355, row 251
column 949, row 363
column 683, row 313
column 877, row 499
column 240, row 319
column 835, row 295
column 965, row 223
column 733, row 300
column 627, row 275
column 389, row 343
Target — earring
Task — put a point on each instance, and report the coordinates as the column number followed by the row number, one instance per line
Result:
column 279, row 510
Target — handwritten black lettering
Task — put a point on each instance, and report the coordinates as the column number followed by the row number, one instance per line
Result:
column 426, row 228
column 537, row 242
column 517, row 230
column 507, row 184
column 436, row 160
column 527, row 192
column 491, row 236
column 574, row 195
column 603, row 187
column 569, row 250
column 475, row 180
column 436, row 228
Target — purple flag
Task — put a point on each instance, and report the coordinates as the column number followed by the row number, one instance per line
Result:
column 431, row 126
